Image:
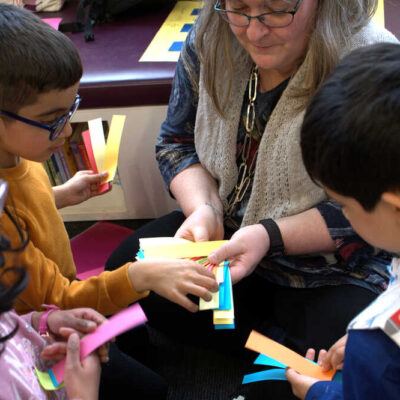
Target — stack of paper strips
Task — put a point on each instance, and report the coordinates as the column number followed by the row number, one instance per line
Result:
column 102, row 156
column 117, row 324
column 276, row 355
column 170, row 247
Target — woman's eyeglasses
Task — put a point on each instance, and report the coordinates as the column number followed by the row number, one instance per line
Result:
column 55, row 129
column 273, row 19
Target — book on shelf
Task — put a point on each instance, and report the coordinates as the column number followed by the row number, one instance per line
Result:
column 69, row 158
column 64, row 164
column 54, row 170
column 57, row 159
column 72, row 157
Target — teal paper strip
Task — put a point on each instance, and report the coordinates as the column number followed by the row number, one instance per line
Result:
column 338, row 377
column 223, row 326
column 268, row 375
column 140, row 254
column 262, row 359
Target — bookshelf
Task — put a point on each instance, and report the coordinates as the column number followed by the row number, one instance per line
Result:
column 140, row 194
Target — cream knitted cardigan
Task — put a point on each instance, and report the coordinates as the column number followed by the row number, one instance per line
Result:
column 281, row 186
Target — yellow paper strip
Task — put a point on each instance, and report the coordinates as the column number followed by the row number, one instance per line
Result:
column 379, row 16
column 224, row 314
column 46, row 382
column 160, row 241
column 183, row 250
column 98, row 142
column 112, row 147
column 223, row 321
column 209, row 305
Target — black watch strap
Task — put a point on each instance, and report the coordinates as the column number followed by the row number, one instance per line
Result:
column 276, row 247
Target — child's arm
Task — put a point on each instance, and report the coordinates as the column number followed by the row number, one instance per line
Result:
column 173, row 279
column 81, row 187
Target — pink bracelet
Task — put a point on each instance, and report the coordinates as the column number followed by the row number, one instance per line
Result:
column 43, row 328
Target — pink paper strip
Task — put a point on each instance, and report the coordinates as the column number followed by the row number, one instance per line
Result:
column 54, row 22
column 89, row 150
column 121, row 322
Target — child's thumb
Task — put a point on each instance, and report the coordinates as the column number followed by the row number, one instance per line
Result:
column 73, row 351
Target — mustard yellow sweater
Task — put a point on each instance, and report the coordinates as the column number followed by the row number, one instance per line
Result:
column 48, row 256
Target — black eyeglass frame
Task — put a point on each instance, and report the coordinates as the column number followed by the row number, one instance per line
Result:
column 55, row 129
column 260, row 16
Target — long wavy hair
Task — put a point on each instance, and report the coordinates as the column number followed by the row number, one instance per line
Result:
column 217, row 48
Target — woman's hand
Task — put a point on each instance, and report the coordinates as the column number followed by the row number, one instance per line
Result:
column 244, row 251
column 173, row 279
column 300, row 383
column 62, row 323
column 81, row 378
column 335, row 356
column 204, row 224
column 81, row 187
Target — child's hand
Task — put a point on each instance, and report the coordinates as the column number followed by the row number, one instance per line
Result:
column 81, row 187
column 81, row 378
column 335, row 355
column 300, row 383
column 244, row 251
column 173, row 279
column 63, row 323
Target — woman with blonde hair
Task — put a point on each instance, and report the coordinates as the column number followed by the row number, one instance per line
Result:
column 229, row 153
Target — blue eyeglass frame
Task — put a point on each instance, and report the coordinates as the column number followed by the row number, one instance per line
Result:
column 259, row 17
column 56, row 129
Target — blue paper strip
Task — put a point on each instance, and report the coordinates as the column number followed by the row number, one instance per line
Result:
column 53, row 378
column 224, row 326
column 268, row 375
column 262, row 359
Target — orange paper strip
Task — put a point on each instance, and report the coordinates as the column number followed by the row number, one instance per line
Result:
column 270, row 348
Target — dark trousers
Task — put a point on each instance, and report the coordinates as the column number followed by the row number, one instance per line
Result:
column 123, row 374
column 297, row 318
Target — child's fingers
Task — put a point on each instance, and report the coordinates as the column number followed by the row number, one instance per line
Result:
column 102, row 352
column 184, row 302
column 321, row 356
column 73, row 353
column 310, row 354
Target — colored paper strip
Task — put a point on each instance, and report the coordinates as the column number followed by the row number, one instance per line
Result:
column 89, row 150
column 113, row 145
column 118, row 323
column 183, row 250
column 268, row 375
column 262, row 359
column 98, row 142
column 270, row 348
column 225, row 326
column 46, row 382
